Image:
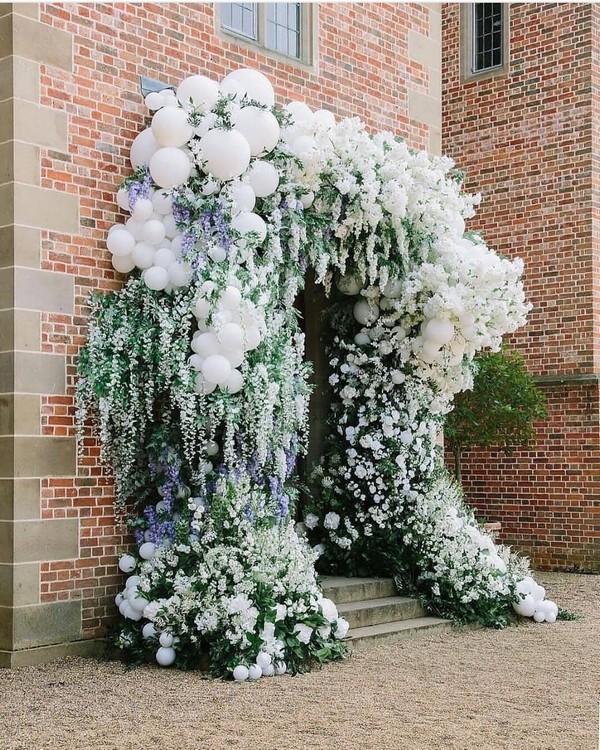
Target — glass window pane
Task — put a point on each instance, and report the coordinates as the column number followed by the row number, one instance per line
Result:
column 283, row 28
column 240, row 17
column 487, row 36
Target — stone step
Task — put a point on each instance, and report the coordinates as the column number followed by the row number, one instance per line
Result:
column 377, row 611
column 345, row 590
column 395, row 631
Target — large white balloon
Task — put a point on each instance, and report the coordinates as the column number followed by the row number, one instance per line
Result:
column 216, row 369
column 170, row 127
column 263, row 178
column 227, row 153
column 250, row 83
column 248, row 222
column 143, row 148
column 198, row 92
column 259, row 127
column 170, row 167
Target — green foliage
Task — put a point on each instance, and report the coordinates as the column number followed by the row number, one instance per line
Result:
column 565, row 614
column 501, row 408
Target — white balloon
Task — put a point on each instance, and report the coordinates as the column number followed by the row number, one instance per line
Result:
column 526, row 607
column 195, row 361
column 280, row 668
column 156, row 278
column 324, row 117
column 120, row 241
column 234, row 383
column 365, row 312
column 170, row 226
column 217, row 253
column 253, row 337
column 198, row 92
column 153, row 232
column 162, row 202
column 244, row 197
column 362, row 339
column 124, row 607
column 142, row 209
column 201, row 385
column 263, row 659
column 180, row 274
column 170, row 127
column 206, row 344
column 393, row 289
column 538, row 593
column 349, row 285
column 149, row 631
column 123, row 199
column 135, row 228
column 127, row 563
column 438, row 331
column 263, row 178
column 299, row 111
column 227, row 153
column 307, row 199
column 235, row 358
column 166, row 640
column 138, row 603
column 248, row 222
column 147, row 550
column 210, row 187
column 303, row 146
column 132, row 581
column 165, row 656
column 169, row 167
column 250, row 83
column 154, row 101
column 212, row 448
column 164, row 257
column 231, row 298
column 143, row 255
column 201, row 308
column 123, row 263
column 254, row 672
column 216, row 369
column 539, row 616
column 232, row 337
column 240, row 673
column 143, row 148
column 551, row 617
column 268, row 671
column 259, row 127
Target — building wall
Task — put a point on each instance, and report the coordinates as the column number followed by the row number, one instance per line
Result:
column 71, row 105
column 527, row 140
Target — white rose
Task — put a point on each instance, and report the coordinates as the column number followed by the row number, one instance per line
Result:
column 342, row 628
column 303, row 632
column 311, row 521
column 332, row 521
column 329, row 609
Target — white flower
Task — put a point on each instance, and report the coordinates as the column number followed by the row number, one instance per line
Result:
column 303, row 632
column 311, row 521
column 280, row 612
column 331, row 521
column 329, row 609
column 342, row 627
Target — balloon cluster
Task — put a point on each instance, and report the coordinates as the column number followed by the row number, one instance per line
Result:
column 532, row 602
column 264, row 667
column 220, row 345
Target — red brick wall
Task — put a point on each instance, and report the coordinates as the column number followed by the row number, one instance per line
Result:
column 528, row 142
column 363, row 69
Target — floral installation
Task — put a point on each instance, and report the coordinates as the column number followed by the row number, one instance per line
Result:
column 195, row 372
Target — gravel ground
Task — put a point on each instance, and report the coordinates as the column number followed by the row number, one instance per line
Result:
column 530, row 687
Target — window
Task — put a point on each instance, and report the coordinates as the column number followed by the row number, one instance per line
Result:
column 284, row 28
column 487, row 36
column 484, row 35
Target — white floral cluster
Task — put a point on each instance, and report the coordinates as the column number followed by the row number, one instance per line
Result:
column 218, row 583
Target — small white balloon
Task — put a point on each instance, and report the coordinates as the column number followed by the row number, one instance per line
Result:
column 246, row 222
column 147, row 550
column 254, row 672
column 243, row 196
column 268, row 671
column 240, row 673
column 231, row 336
column 198, row 92
column 263, row 659
column 234, row 383
column 526, row 607
column 362, row 339
column 164, row 258
column 123, row 263
column 165, row 656
column 170, row 167
column 206, row 344
column 156, row 278
column 180, row 274
column 135, row 228
column 438, row 331
column 253, row 337
column 365, row 312
column 551, row 617
column 195, row 361
column 154, row 100
column 202, row 386
column 217, row 253
column 231, row 298
column 166, row 639
column 143, row 255
column 212, row 448
column 119, row 599
column 142, row 209
column 307, row 199
column 143, row 148
column 349, row 285
column 127, row 563
column 299, row 111
column 170, row 127
column 132, row 582
column 153, row 232
column 201, row 308
column 263, row 178
column 235, row 358
column 123, row 199
column 325, row 118
column 216, row 369
column 280, row 668
column 539, row 616
column 162, row 202
column 149, row 631
column 138, row 603
column 538, row 593
column 304, row 146
column 120, row 242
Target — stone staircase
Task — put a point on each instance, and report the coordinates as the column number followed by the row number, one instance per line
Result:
column 375, row 612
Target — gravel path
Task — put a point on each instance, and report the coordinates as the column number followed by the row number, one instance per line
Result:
column 531, row 687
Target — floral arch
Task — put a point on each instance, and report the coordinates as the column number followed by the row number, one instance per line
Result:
column 196, row 372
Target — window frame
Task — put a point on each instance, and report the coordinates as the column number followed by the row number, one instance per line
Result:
column 468, row 33
column 308, row 33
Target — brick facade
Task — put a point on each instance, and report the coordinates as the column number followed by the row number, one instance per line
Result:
column 74, row 72
column 528, row 140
